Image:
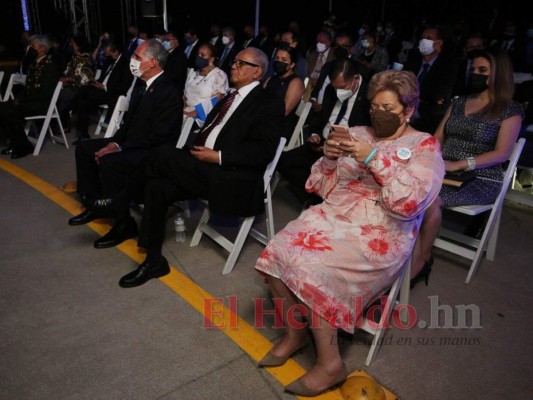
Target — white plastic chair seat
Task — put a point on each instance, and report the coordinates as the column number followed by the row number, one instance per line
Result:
column 14, row 79
column 52, row 113
column 472, row 248
column 245, row 229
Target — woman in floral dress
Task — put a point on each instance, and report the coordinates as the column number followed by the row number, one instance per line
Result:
column 339, row 255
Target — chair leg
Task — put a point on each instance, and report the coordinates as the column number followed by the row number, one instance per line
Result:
column 42, row 134
column 198, row 232
column 237, row 245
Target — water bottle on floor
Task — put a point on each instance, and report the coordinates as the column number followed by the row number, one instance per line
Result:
column 179, row 228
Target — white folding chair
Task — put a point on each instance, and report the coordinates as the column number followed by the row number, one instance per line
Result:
column 471, row 248
column 14, row 79
column 52, row 113
column 398, row 296
column 118, row 114
column 245, row 229
column 1, row 79
column 297, row 138
column 104, row 108
column 186, row 127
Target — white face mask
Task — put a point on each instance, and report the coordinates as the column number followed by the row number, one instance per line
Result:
column 425, row 46
column 320, row 47
column 344, row 94
column 365, row 44
column 135, row 68
column 225, row 40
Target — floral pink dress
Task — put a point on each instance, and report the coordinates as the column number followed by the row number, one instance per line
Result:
column 351, row 247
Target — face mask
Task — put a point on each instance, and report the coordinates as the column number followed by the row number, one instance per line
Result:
column 135, row 68
column 166, row 45
column 477, row 83
column 280, row 67
column 340, row 53
column 385, row 123
column 344, row 94
column 31, row 54
column 365, row 44
column 320, row 47
column 225, row 40
column 425, row 46
column 361, row 31
column 188, row 41
column 201, row 62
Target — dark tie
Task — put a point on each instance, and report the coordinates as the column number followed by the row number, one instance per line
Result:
column 224, row 55
column 342, row 111
column 425, row 68
column 224, row 107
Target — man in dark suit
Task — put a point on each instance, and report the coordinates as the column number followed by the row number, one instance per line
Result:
column 104, row 166
column 345, row 103
column 176, row 66
column 112, row 83
column 436, row 72
column 473, row 44
column 229, row 51
column 225, row 166
column 34, row 99
column 192, row 45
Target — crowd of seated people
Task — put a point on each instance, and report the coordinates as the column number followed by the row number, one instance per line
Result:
column 243, row 93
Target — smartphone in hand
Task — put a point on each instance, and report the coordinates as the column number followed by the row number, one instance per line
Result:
column 339, row 133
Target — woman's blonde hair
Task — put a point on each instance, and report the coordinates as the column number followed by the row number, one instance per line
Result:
column 403, row 83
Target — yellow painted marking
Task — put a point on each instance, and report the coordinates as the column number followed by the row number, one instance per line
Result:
column 245, row 336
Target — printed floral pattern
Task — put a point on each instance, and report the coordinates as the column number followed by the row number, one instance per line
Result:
column 348, row 249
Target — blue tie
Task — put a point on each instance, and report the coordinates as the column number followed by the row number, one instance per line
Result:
column 423, row 73
column 342, row 111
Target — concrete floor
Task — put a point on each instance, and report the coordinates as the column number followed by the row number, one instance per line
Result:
column 68, row 331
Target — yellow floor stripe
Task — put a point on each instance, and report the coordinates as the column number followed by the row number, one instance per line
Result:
column 245, row 336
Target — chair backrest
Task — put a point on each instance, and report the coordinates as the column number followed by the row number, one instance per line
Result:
column 271, row 167
column 14, row 79
column 118, row 114
column 97, row 74
column 302, row 111
column 128, row 94
column 186, row 127
column 53, row 101
column 1, row 79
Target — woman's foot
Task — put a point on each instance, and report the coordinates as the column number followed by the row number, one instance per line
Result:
column 283, row 350
column 319, row 379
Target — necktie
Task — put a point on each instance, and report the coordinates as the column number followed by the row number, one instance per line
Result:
column 319, row 64
column 188, row 50
column 224, row 107
column 224, row 54
column 342, row 112
column 425, row 68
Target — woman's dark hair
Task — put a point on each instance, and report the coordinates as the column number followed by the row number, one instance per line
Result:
column 292, row 53
column 212, row 49
column 501, row 85
column 82, row 42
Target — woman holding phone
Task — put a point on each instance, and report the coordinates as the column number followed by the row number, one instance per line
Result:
column 339, row 255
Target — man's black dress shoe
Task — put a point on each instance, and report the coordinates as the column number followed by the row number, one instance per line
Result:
column 7, row 151
column 23, row 152
column 84, row 218
column 122, row 230
column 144, row 273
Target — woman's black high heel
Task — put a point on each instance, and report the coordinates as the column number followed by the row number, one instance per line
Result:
column 423, row 274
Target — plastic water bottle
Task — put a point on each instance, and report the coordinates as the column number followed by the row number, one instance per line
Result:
column 179, row 228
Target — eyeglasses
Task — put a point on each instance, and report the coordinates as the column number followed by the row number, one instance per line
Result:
column 240, row 63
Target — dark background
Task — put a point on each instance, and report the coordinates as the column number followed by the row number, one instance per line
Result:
column 276, row 13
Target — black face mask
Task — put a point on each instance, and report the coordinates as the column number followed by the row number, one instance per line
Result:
column 31, row 54
column 340, row 53
column 201, row 62
column 477, row 83
column 280, row 67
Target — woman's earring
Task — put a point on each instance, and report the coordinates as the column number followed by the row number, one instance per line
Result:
column 408, row 120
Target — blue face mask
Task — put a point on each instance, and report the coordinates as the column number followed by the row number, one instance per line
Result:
column 166, row 45
column 189, row 41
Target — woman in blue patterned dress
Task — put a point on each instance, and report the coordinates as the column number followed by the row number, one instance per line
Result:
column 477, row 134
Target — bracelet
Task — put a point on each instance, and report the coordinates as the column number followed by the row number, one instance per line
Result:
column 370, row 155
column 471, row 163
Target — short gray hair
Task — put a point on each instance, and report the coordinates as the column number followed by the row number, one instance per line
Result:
column 260, row 58
column 41, row 40
column 156, row 50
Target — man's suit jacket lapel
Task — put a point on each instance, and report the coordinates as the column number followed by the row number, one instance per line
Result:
column 241, row 110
